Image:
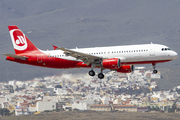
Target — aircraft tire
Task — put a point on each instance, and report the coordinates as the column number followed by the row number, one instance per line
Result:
column 100, row 75
column 155, row 71
column 91, row 73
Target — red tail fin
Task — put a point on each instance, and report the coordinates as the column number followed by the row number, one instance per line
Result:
column 20, row 42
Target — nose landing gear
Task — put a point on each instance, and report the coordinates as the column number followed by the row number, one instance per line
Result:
column 154, row 67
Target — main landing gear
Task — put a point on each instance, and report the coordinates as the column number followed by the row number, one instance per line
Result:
column 154, row 67
column 91, row 73
column 100, row 75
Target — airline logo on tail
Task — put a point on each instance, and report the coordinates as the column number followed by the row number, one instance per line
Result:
column 18, row 39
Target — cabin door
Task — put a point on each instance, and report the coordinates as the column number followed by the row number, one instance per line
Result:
column 39, row 58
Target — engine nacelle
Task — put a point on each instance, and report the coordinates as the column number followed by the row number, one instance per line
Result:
column 112, row 63
column 126, row 69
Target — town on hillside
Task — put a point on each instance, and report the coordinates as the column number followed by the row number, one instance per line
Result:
column 118, row 92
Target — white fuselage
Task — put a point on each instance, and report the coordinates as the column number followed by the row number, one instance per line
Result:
column 128, row 54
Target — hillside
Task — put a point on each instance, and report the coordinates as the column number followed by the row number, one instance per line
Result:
column 88, row 23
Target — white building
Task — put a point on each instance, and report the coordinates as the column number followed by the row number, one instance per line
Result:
column 2, row 99
column 105, row 100
column 156, row 76
column 117, row 101
column 82, row 105
column 41, row 106
column 32, row 108
column 13, row 82
column 20, row 111
column 60, row 91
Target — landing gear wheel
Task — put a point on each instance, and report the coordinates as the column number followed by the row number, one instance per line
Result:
column 100, row 76
column 154, row 67
column 91, row 73
column 155, row 71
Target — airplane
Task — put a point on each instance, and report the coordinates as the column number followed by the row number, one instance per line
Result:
column 118, row 58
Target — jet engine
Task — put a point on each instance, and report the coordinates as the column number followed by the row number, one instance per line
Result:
column 112, row 63
column 126, row 69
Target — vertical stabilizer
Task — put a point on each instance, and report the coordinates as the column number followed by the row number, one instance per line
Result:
column 20, row 42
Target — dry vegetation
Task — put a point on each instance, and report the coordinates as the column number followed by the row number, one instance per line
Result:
column 84, row 115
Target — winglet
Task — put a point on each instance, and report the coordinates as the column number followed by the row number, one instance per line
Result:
column 55, row 47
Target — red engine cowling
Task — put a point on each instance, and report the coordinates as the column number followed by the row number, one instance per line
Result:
column 126, row 69
column 112, row 63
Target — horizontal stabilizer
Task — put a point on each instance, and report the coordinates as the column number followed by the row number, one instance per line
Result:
column 16, row 56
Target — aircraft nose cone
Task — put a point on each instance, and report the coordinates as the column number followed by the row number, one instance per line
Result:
column 174, row 55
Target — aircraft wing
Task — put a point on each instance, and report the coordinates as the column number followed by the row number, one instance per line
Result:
column 16, row 56
column 86, row 58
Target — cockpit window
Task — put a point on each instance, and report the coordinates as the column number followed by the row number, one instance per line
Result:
column 165, row 49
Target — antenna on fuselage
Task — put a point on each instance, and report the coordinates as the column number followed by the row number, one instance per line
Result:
column 151, row 43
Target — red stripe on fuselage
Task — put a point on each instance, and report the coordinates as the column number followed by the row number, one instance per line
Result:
column 38, row 58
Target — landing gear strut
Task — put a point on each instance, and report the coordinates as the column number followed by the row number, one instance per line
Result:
column 101, row 75
column 91, row 72
column 154, row 67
